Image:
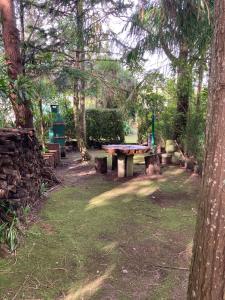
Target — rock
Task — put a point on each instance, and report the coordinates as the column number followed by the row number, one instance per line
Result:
column 170, row 146
column 176, row 158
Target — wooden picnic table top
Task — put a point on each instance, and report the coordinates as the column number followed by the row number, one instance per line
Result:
column 126, row 149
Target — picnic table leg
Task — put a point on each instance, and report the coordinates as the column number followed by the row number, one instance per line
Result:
column 114, row 162
column 121, row 165
column 129, row 166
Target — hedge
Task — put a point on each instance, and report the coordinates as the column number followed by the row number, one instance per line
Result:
column 104, row 126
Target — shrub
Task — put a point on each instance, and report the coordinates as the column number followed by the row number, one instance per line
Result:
column 104, row 126
column 68, row 118
column 144, row 126
column 127, row 128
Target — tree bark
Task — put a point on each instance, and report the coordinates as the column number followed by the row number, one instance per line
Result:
column 22, row 34
column 42, row 124
column 79, row 85
column 199, row 87
column 184, row 85
column 207, row 276
column 11, row 40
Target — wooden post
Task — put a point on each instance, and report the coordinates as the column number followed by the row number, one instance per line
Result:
column 101, row 164
column 121, row 165
column 114, row 162
column 129, row 166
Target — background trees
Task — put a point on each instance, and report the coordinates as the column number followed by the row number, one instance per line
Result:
column 182, row 30
column 82, row 57
column 68, row 46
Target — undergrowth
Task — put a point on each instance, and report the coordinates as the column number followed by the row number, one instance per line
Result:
column 8, row 227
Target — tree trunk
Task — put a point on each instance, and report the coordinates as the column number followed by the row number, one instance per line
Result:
column 184, row 85
column 42, row 124
column 11, row 40
column 79, row 85
column 199, row 87
column 22, row 34
column 207, row 277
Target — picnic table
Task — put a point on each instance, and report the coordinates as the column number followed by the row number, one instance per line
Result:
column 124, row 154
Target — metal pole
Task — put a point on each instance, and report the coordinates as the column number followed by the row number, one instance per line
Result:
column 153, row 130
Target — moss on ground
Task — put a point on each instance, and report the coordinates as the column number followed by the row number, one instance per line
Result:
column 101, row 239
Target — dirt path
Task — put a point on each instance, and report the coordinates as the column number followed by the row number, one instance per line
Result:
column 103, row 238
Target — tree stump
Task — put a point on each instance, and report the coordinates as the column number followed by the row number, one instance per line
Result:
column 114, row 162
column 198, row 169
column 166, row 159
column 189, row 164
column 152, row 165
column 101, row 164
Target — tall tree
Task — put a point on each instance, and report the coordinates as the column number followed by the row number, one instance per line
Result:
column 79, row 83
column 207, row 280
column 11, row 40
column 180, row 29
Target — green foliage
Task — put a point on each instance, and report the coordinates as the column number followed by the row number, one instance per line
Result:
column 68, row 117
column 11, row 234
column 127, row 128
column 165, row 123
column 4, row 79
column 8, row 226
column 45, row 94
column 194, row 140
column 112, row 86
column 144, row 125
column 24, row 89
column 5, row 106
column 166, row 25
column 104, row 126
column 45, row 89
column 159, row 95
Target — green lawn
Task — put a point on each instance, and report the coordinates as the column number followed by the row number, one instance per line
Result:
column 105, row 239
column 132, row 138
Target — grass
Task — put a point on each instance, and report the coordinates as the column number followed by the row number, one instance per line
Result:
column 105, row 238
column 132, row 137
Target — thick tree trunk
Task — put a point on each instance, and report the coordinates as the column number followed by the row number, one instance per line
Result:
column 184, row 85
column 79, row 85
column 207, row 277
column 11, row 40
column 22, row 33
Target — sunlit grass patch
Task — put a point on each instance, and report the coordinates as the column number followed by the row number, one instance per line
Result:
column 101, row 238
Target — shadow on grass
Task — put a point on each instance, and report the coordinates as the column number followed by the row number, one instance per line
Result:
column 89, row 288
column 102, row 240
